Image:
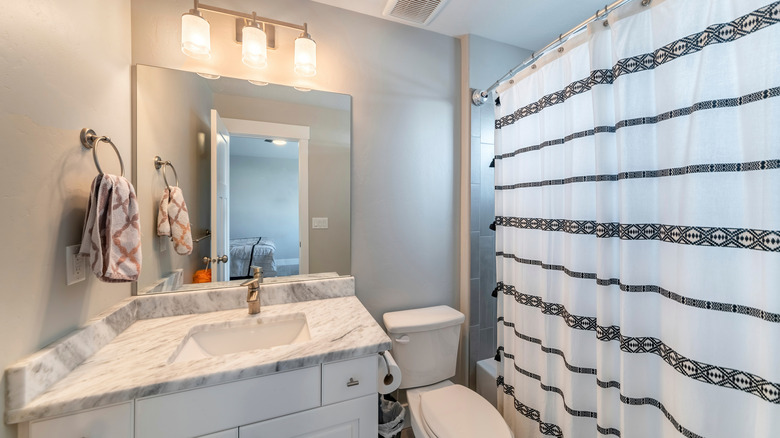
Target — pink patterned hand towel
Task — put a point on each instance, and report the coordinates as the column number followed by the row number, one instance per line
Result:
column 112, row 230
column 174, row 220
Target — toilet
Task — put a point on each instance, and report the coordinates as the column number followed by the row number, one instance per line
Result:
column 425, row 346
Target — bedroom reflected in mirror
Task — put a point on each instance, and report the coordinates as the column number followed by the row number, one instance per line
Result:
column 263, row 176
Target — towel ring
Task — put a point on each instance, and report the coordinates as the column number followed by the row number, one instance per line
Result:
column 90, row 140
column 158, row 162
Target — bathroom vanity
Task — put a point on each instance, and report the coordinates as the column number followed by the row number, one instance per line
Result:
column 188, row 364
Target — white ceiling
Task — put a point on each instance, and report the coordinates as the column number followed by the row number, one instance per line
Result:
column 529, row 24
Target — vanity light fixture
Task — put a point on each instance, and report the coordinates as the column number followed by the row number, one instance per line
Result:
column 195, row 34
column 305, row 54
column 254, row 50
column 209, row 76
column 276, row 141
column 254, row 33
column 258, row 83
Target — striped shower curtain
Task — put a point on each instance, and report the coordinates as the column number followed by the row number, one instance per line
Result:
column 638, row 227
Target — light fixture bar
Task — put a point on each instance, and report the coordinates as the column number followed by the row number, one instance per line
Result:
column 249, row 16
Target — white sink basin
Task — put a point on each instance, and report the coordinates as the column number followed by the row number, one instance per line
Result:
column 210, row 340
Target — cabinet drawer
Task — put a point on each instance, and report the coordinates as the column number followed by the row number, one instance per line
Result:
column 348, row 379
column 111, row 422
column 207, row 410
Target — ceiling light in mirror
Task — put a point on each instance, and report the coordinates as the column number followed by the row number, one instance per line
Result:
column 209, row 76
column 254, row 52
column 302, row 89
column 195, row 35
column 258, row 83
column 279, row 142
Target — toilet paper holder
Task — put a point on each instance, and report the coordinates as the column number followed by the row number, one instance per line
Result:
column 388, row 377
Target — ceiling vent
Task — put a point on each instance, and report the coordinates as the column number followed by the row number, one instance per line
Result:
column 414, row 11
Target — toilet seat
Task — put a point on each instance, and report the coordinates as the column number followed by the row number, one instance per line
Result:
column 458, row 412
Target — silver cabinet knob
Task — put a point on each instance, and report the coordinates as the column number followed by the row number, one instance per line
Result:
column 223, row 259
column 353, row 382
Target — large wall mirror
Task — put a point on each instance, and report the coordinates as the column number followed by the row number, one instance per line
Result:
column 264, row 171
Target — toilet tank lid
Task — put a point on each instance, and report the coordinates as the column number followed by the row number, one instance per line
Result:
column 418, row 320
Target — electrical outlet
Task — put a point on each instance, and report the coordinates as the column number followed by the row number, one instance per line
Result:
column 75, row 265
column 319, row 223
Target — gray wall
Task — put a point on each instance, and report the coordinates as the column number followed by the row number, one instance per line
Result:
column 488, row 61
column 405, row 88
column 329, row 170
column 264, row 201
column 61, row 69
column 173, row 122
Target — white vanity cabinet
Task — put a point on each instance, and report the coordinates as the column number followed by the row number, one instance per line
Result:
column 331, row 400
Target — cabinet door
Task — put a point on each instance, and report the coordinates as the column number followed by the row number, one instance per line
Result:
column 111, row 422
column 356, row 418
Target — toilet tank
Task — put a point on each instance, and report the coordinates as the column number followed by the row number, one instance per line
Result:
column 425, row 343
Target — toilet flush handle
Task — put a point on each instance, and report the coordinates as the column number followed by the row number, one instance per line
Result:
column 403, row 339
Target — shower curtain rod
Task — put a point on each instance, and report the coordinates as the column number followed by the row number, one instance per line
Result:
column 479, row 97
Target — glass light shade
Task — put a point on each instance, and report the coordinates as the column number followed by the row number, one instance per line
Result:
column 195, row 36
column 305, row 56
column 254, row 52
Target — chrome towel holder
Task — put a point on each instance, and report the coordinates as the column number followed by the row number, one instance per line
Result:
column 158, row 162
column 90, row 140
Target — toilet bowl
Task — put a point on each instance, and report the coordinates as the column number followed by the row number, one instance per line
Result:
column 425, row 346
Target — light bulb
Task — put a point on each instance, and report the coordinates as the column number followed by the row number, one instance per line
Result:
column 195, row 35
column 305, row 56
column 254, row 52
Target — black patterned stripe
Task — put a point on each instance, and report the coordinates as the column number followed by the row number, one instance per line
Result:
column 633, row 401
column 651, row 120
column 640, row 401
column 558, row 141
column 746, row 238
column 700, row 371
column 715, row 375
column 547, row 350
column 607, row 430
column 714, row 34
column 650, row 288
column 647, row 401
column 529, row 412
column 673, row 171
column 549, row 388
column 554, row 309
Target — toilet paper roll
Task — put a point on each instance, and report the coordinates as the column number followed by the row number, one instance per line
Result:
column 387, row 380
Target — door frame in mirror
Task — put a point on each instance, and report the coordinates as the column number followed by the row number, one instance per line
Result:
column 301, row 134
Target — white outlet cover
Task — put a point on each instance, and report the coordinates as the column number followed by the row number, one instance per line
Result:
column 319, row 223
column 75, row 265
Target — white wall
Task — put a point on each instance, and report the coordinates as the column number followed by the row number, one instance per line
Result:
column 405, row 151
column 63, row 66
column 173, row 122
column 264, row 201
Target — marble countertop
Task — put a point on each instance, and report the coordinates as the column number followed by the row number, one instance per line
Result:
column 137, row 361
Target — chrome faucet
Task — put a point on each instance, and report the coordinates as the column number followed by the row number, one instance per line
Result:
column 253, row 293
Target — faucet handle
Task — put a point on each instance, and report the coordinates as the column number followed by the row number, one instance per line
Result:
column 252, row 284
